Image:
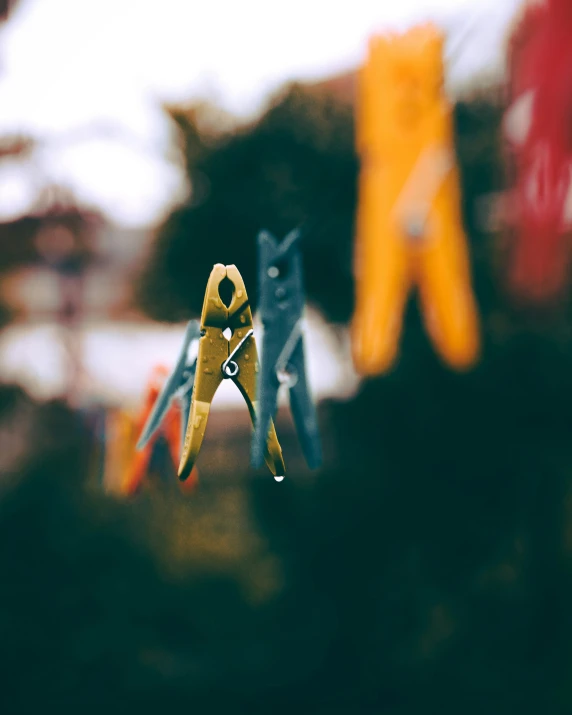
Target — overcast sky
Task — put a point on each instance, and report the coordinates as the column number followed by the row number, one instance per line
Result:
column 68, row 64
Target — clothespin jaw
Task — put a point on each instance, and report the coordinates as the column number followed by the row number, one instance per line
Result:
column 281, row 290
column 219, row 359
column 409, row 224
column 174, row 426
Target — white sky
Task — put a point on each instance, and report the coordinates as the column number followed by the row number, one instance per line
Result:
column 69, row 64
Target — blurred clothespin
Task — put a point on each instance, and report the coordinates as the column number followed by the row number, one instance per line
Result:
column 118, row 446
column 220, row 358
column 169, row 427
column 409, row 226
column 281, row 288
column 179, row 386
column 140, row 459
column 537, row 127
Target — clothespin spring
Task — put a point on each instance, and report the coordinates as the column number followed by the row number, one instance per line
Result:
column 229, row 366
column 285, row 376
column 426, row 179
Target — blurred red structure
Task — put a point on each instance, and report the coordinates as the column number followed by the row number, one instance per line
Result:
column 539, row 127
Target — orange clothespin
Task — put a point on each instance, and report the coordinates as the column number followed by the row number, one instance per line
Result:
column 119, row 446
column 409, row 225
column 170, row 428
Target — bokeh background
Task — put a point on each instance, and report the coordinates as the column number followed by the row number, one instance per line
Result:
column 427, row 567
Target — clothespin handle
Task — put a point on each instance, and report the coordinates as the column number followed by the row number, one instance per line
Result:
column 180, row 380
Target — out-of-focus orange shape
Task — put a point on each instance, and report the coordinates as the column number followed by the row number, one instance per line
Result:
column 408, row 170
column 130, row 466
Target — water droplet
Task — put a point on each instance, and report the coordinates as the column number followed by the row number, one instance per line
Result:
column 239, row 333
column 208, row 371
column 205, row 359
column 243, row 318
column 239, row 294
column 198, row 421
column 247, row 357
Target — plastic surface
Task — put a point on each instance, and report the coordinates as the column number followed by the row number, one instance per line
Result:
column 537, row 126
column 127, row 466
column 214, row 351
column 282, row 302
column 409, row 225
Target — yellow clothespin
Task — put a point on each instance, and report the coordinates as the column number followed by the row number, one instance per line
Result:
column 409, row 226
column 220, row 358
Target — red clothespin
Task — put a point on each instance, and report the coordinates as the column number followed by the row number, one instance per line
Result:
column 538, row 125
column 170, row 428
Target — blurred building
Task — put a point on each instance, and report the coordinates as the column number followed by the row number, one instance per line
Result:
column 58, row 240
column 66, row 270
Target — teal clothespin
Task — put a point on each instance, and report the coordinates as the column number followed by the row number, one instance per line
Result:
column 179, row 385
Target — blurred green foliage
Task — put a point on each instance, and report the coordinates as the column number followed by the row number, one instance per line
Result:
column 293, row 165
